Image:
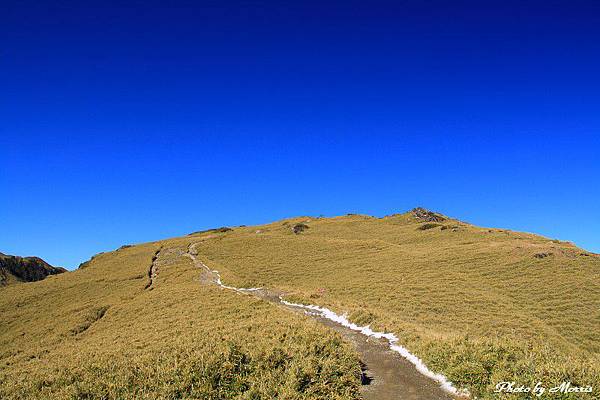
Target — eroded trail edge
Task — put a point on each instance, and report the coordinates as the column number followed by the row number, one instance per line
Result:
column 323, row 312
column 153, row 270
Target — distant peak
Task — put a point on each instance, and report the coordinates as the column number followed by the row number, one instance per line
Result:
column 24, row 269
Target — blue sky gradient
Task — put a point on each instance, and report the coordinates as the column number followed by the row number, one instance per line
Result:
column 123, row 124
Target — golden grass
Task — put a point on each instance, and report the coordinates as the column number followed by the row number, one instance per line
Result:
column 97, row 333
column 474, row 303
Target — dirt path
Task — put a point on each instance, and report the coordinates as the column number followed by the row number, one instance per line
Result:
column 387, row 375
column 390, row 371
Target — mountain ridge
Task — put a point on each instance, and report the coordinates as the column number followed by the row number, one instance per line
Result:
column 15, row 269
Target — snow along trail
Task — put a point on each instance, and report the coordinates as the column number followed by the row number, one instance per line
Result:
column 214, row 275
column 392, row 340
column 342, row 320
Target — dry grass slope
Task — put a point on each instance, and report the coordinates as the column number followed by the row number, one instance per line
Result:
column 96, row 333
column 480, row 305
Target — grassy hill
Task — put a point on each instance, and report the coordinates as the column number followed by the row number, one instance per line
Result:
column 479, row 305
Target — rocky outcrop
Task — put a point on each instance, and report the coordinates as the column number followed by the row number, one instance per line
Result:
column 24, row 269
column 427, row 216
column 222, row 229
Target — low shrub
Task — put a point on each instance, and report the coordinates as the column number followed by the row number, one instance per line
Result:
column 427, row 226
column 299, row 228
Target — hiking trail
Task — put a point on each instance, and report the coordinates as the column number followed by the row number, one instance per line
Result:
column 390, row 371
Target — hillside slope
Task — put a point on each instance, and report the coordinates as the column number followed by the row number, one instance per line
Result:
column 14, row 269
column 111, row 331
column 480, row 305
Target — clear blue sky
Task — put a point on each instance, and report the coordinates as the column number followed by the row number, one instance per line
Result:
column 123, row 124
